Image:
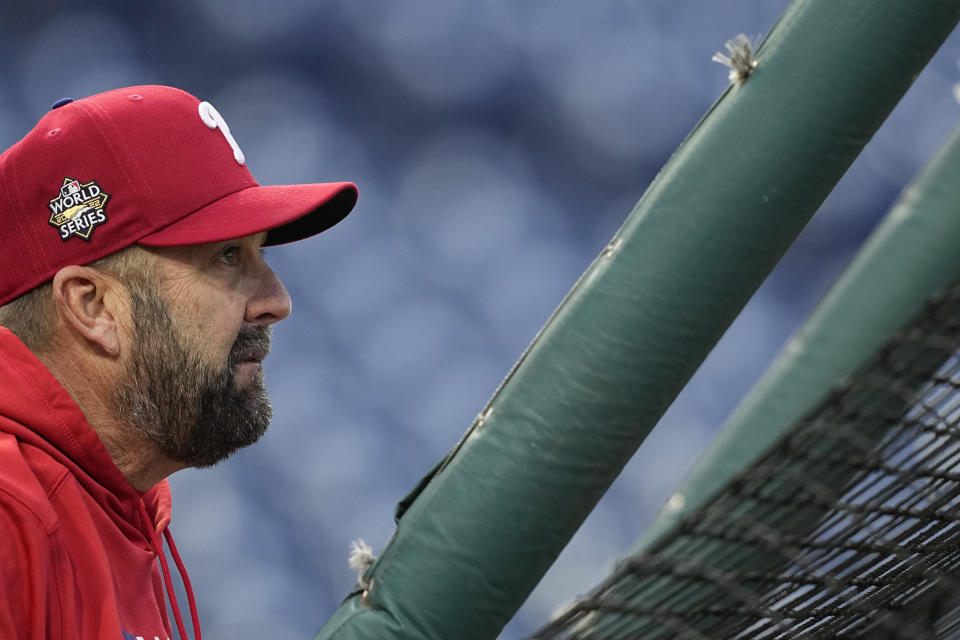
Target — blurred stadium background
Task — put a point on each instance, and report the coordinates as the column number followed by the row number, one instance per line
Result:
column 497, row 147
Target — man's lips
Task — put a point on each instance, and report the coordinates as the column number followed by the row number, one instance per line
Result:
column 247, row 367
column 252, row 356
column 251, row 346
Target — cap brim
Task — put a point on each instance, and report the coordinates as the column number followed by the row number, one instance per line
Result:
column 288, row 212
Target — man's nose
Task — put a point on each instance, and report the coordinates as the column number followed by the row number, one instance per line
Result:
column 270, row 301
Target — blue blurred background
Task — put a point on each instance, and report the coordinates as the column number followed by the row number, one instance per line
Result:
column 497, row 147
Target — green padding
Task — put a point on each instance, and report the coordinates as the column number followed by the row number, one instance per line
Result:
column 914, row 252
column 643, row 317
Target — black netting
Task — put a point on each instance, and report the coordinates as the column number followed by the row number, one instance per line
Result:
column 848, row 527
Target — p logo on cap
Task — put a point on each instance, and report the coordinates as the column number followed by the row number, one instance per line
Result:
column 212, row 118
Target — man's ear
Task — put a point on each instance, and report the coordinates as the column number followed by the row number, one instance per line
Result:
column 89, row 301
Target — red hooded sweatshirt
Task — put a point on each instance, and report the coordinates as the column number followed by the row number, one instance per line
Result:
column 78, row 544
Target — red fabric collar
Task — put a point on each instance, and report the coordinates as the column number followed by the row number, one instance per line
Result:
column 42, row 413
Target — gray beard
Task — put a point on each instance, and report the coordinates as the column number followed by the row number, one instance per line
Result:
column 192, row 413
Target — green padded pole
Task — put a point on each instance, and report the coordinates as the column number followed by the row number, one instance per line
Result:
column 641, row 319
column 913, row 253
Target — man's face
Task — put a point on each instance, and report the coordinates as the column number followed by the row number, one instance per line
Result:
column 193, row 383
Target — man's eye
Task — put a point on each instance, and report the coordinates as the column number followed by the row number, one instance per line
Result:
column 230, row 255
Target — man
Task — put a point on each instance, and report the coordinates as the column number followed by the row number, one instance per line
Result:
column 135, row 311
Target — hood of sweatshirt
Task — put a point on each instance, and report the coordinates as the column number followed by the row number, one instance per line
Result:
column 40, row 412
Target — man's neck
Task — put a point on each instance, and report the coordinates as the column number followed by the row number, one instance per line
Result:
column 89, row 386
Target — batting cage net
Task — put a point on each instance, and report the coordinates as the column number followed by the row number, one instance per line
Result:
column 849, row 526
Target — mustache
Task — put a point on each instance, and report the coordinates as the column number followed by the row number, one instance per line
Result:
column 252, row 343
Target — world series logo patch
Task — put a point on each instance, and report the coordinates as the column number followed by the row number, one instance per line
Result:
column 78, row 209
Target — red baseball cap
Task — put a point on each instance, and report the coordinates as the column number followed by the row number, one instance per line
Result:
column 151, row 165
